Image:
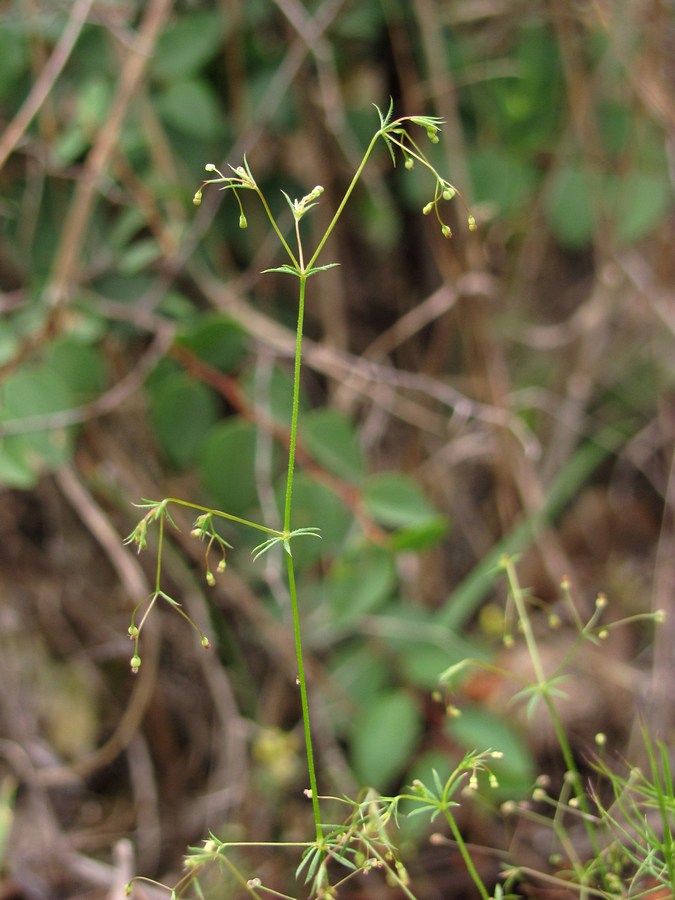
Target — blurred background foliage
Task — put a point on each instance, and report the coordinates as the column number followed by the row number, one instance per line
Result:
column 506, row 391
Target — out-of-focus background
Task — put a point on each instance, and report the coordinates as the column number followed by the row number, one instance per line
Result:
column 508, row 390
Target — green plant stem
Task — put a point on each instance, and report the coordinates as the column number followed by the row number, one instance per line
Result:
column 222, row 515
column 518, row 595
column 466, row 856
column 289, row 560
column 160, row 549
column 378, row 134
column 302, row 683
column 296, row 404
column 277, row 230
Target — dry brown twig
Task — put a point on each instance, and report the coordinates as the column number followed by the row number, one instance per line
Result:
column 46, row 80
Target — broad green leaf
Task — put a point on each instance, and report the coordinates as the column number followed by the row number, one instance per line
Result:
column 396, row 501
column 501, row 181
column 187, row 45
column 15, row 472
column 34, row 392
column 478, row 728
column 569, row 207
column 360, row 674
column 138, row 256
column 615, row 123
column 422, row 662
column 192, row 108
column 183, row 410
column 330, row 437
column 226, row 466
column 217, row 340
column 80, row 367
column 359, row 582
column 420, row 537
column 422, row 648
column 385, row 735
column 641, row 201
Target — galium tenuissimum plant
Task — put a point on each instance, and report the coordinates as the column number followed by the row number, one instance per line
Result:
column 622, row 843
column 330, row 843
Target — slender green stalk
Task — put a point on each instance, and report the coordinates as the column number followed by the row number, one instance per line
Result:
column 277, row 230
column 544, row 689
column 289, row 559
column 295, row 404
column 302, row 683
column 345, row 199
column 223, row 515
column 466, row 856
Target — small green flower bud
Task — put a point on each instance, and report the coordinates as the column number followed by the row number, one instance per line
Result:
column 128, row 888
column 601, row 739
column 221, row 565
column 210, row 167
column 206, row 643
column 431, row 134
column 133, row 631
column 427, row 209
column 210, row 578
column 449, row 193
column 197, row 199
column 135, row 663
column 410, row 163
column 242, row 221
column 660, row 616
column 446, row 231
column 472, row 223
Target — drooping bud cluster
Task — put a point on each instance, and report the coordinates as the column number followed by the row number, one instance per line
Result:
column 242, row 178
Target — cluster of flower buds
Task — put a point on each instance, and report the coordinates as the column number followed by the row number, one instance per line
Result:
column 242, row 178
